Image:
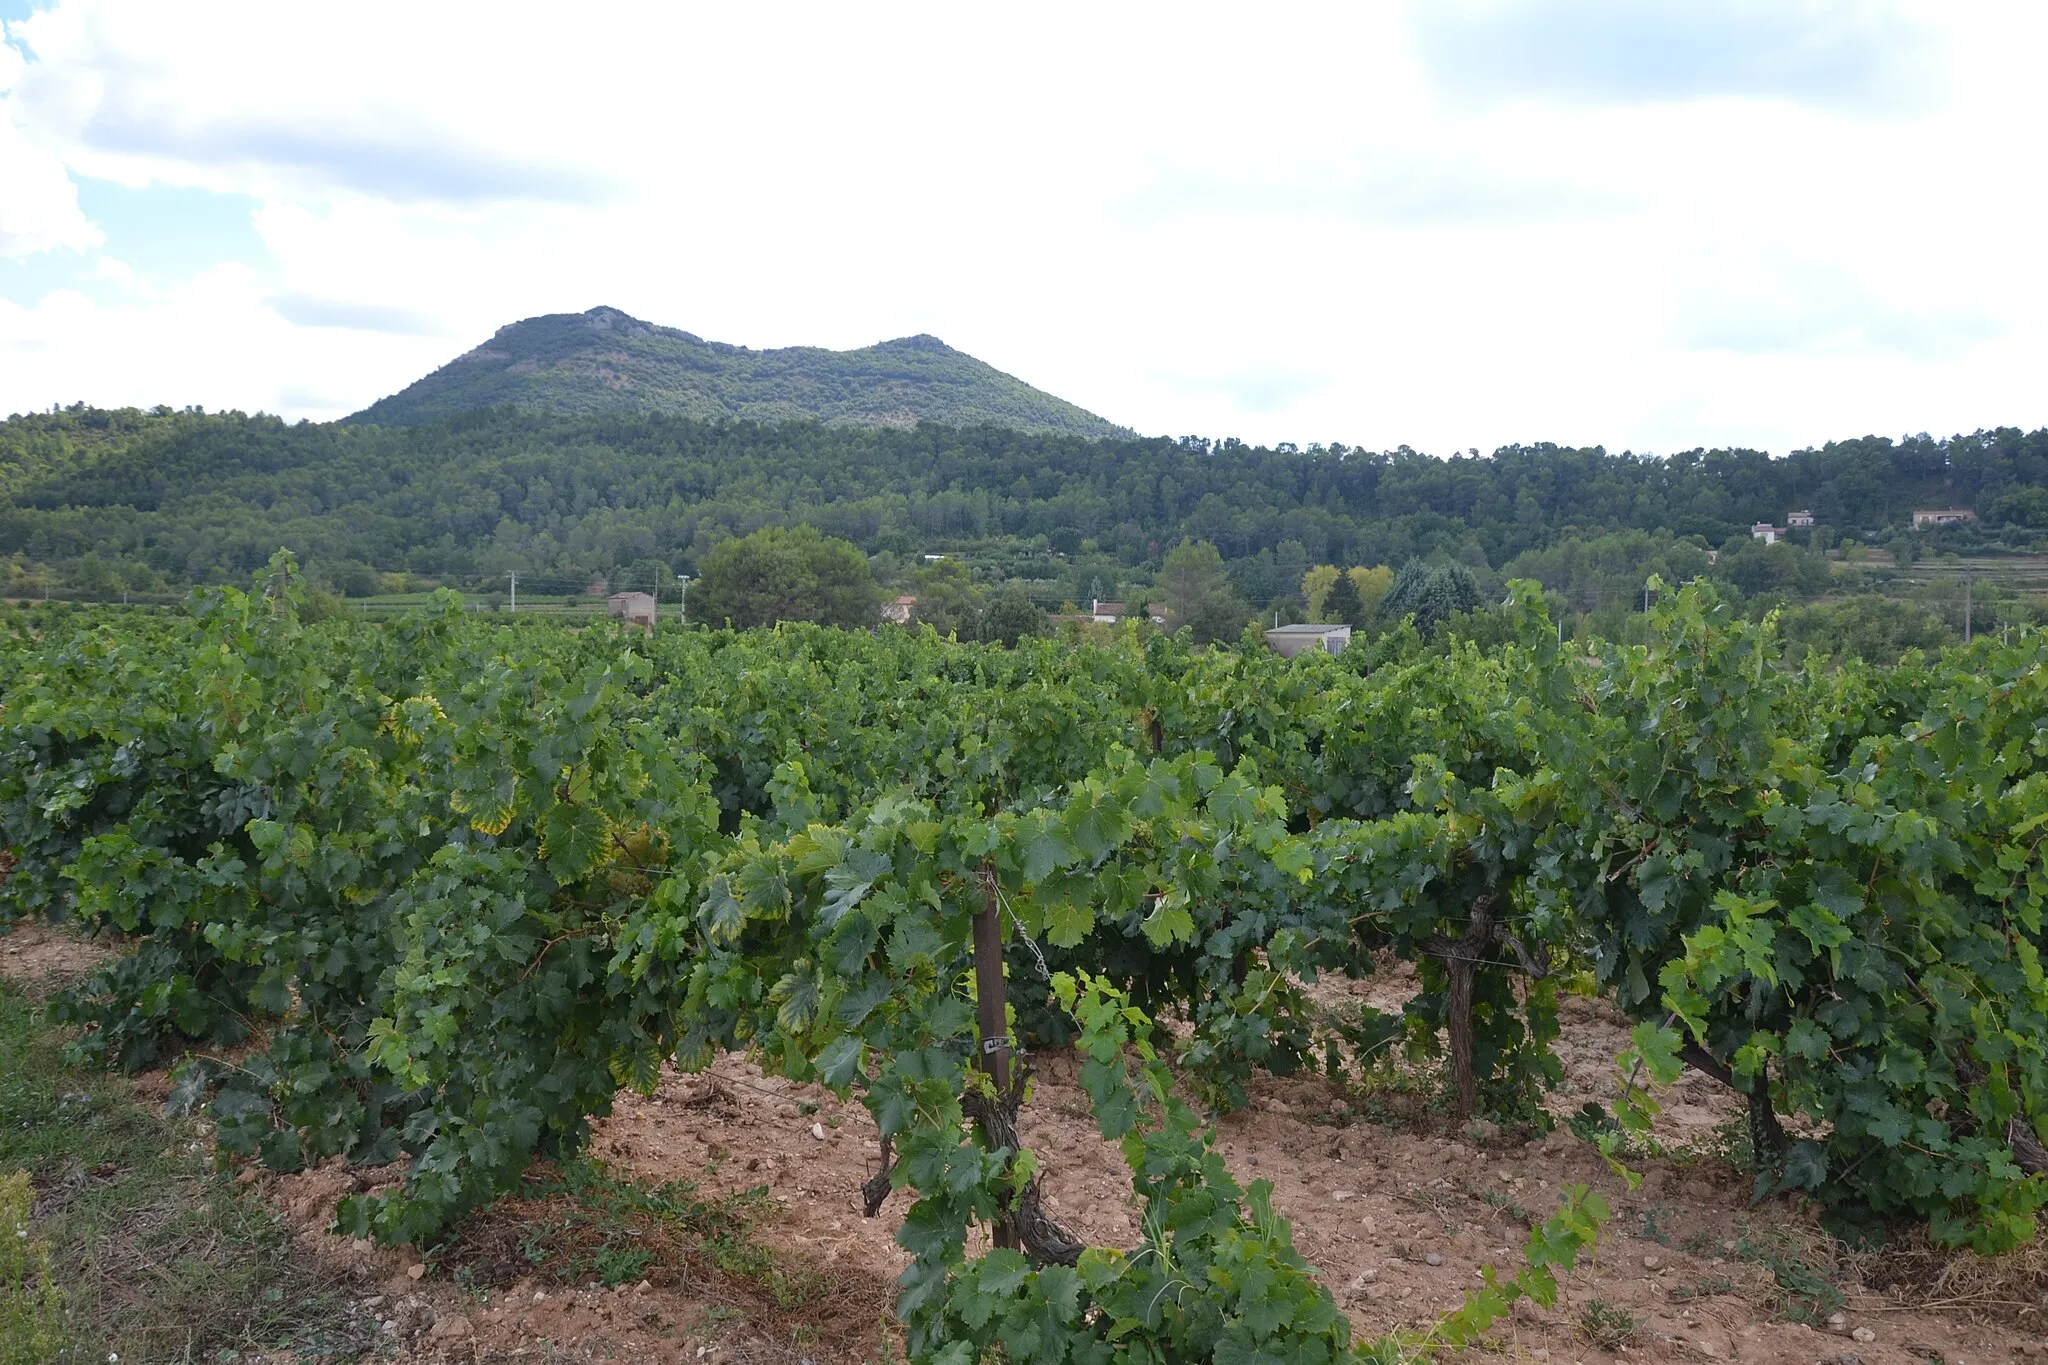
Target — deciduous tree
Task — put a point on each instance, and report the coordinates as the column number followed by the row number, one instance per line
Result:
column 786, row 574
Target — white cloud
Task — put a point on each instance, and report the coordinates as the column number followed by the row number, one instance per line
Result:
column 38, row 202
column 1305, row 222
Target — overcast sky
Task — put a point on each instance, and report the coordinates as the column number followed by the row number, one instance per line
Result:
column 1650, row 224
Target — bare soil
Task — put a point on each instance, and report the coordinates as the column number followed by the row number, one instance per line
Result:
column 1398, row 1217
column 41, row 956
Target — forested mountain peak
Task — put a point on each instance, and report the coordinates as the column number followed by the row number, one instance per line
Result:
column 606, row 360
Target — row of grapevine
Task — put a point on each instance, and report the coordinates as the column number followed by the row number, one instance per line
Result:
column 467, row 879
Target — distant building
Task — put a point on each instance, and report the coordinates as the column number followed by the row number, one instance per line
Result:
column 899, row 611
column 1288, row 641
column 1108, row 613
column 1799, row 521
column 1942, row 516
column 597, row 587
column 1767, row 533
column 634, row 608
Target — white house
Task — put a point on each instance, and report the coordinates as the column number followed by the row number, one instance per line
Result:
column 1767, row 533
column 900, row 610
column 1288, row 641
column 1107, row 613
column 1799, row 521
column 1942, row 516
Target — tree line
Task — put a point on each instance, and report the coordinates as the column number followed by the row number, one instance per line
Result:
column 111, row 501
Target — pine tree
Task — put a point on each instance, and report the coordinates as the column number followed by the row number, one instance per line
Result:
column 1342, row 606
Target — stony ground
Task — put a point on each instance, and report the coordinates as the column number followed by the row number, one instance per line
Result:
column 1398, row 1216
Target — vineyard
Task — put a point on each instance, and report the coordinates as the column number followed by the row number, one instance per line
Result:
column 442, row 887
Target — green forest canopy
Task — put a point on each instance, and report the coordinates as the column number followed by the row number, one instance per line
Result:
column 155, row 500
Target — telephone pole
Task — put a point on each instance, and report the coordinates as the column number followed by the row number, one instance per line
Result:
column 513, row 574
column 1968, row 614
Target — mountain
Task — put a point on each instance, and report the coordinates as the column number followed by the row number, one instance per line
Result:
column 605, row 361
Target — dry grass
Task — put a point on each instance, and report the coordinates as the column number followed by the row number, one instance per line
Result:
column 159, row 1258
column 580, row 1225
column 1913, row 1273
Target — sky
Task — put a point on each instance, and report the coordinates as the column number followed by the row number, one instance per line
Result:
column 1451, row 224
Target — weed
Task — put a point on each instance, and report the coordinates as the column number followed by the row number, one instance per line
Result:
column 1806, row 1292
column 1388, row 1090
column 579, row 1222
column 32, row 1310
column 1650, row 1224
column 1437, row 1201
column 1705, row 1287
column 1729, row 1143
column 1608, row 1325
column 1509, row 1207
column 1703, row 1242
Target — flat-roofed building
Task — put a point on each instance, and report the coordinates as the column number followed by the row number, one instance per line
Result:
column 1288, row 641
column 1942, row 516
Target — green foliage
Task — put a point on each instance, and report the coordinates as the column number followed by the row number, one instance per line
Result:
column 1790, row 872
column 1583, row 574
column 604, row 361
column 469, row 878
column 949, row 602
column 1430, row 593
column 1343, row 604
column 1875, row 629
column 1372, row 586
column 2018, row 507
column 792, row 574
column 109, row 502
column 1010, row 617
column 1195, row 594
column 1215, row 1275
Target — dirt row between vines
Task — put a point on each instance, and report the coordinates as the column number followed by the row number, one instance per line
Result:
column 1397, row 1219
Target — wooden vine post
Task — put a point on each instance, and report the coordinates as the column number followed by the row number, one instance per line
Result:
column 1024, row 1225
column 993, row 1054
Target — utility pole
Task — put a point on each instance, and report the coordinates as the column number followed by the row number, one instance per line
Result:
column 684, row 580
column 513, row 574
column 1968, row 614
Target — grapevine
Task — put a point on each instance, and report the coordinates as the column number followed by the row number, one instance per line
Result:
column 460, row 882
